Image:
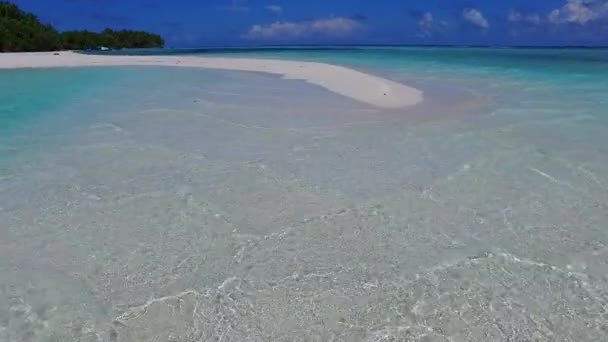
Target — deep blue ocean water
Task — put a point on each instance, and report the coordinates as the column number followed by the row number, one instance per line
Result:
column 148, row 203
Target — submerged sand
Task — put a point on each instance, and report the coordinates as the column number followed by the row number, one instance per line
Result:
column 366, row 88
column 269, row 210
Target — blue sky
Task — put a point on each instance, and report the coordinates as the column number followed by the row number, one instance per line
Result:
column 191, row 23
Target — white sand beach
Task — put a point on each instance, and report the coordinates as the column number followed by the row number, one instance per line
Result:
column 373, row 90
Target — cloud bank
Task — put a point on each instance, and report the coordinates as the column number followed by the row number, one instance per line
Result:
column 580, row 12
column 330, row 27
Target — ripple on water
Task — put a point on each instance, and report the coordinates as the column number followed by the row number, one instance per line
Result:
column 192, row 205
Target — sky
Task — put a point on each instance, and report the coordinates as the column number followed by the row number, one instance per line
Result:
column 200, row 23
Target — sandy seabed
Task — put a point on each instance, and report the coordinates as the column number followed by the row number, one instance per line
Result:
column 182, row 204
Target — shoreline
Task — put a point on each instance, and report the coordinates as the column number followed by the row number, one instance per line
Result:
column 360, row 86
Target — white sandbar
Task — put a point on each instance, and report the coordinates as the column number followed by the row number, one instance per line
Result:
column 350, row 83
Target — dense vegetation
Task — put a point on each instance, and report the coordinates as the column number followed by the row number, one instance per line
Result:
column 21, row 31
column 77, row 40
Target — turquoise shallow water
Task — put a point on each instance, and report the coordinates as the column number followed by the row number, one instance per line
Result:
column 34, row 103
column 141, row 204
column 26, row 95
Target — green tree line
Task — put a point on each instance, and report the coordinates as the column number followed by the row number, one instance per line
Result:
column 21, row 31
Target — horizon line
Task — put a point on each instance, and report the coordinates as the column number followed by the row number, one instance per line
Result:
column 497, row 46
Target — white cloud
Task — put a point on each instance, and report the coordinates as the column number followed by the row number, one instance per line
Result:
column 429, row 25
column 554, row 16
column 518, row 17
column 332, row 27
column 275, row 9
column 476, row 18
column 237, row 6
column 426, row 23
column 581, row 12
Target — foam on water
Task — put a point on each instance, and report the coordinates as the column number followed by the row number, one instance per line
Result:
column 187, row 205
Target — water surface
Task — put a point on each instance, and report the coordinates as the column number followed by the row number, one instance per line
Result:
column 190, row 205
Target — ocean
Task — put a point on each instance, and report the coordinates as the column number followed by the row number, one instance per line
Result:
column 161, row 204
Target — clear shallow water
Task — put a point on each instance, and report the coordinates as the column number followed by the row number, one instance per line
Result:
column 25, row 95
column 195, row 205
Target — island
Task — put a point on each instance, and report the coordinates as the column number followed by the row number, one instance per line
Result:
column 24, row 32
